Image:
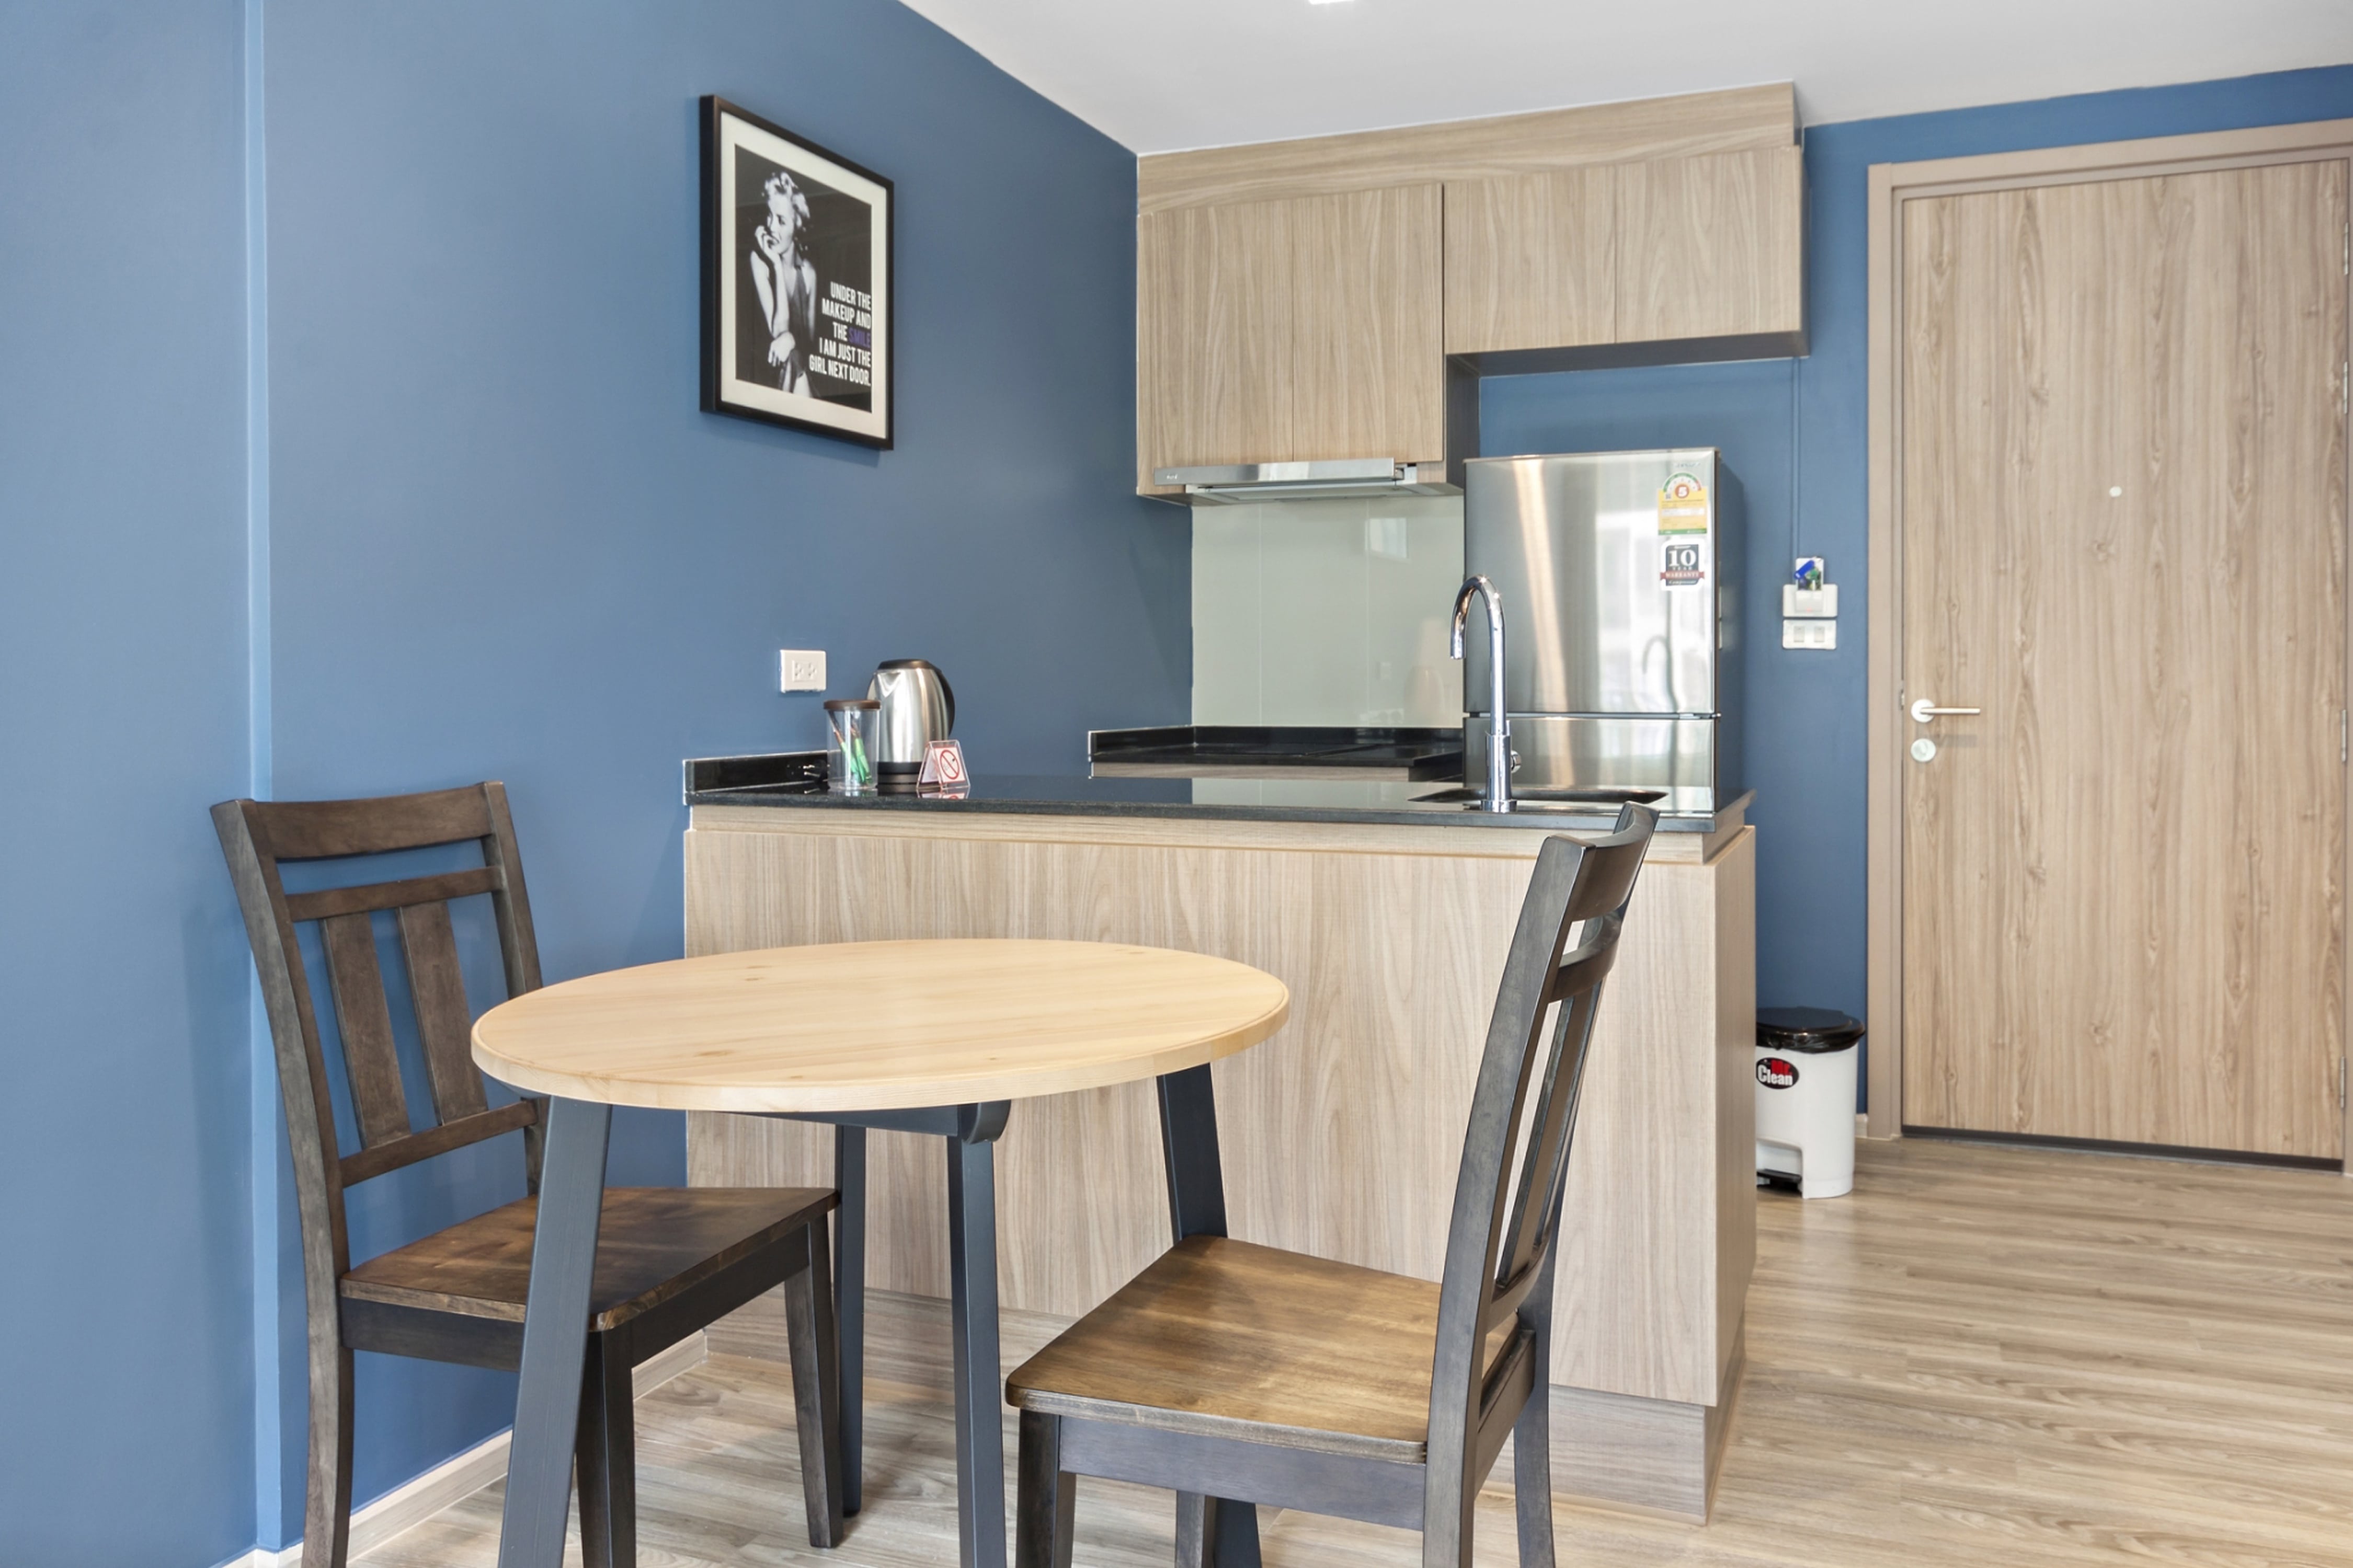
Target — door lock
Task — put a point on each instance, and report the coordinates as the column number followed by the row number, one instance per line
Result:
column 1924, row 749
column 1924, row 710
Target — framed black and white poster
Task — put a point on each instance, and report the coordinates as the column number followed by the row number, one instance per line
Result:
column 796, row 281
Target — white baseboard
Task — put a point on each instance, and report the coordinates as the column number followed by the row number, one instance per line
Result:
column 465, row 1474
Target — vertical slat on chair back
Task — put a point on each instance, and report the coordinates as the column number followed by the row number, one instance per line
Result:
column 1491, row 1266
column 364, row 1018
column 444, row 1022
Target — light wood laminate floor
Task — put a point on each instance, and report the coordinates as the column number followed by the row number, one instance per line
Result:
column 1984, row 1356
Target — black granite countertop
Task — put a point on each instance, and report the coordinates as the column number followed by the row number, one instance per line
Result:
column 796, row 780
column 1250, row 751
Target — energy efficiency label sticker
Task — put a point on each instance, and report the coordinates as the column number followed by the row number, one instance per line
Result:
column 1682, row 504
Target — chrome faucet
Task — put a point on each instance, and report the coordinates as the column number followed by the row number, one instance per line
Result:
column 1499, row 728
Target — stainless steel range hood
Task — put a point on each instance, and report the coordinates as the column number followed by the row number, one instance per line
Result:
column 1335, row 479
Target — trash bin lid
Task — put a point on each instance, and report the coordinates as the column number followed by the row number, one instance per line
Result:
column 1814, row 1030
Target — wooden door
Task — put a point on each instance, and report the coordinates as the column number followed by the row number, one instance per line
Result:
column 2121, row 480
column 1285, row 330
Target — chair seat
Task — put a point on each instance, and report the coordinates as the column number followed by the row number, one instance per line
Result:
column 1227, row 1339
column 651, row 1244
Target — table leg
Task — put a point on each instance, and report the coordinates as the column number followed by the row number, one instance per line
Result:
column 979, row 1377
column 849, row 1303
column 554, row 1334
column 1196, row 1207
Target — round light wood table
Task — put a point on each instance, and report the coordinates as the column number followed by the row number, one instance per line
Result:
column 925, row 1036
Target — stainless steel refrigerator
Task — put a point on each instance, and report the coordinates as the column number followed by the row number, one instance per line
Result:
column 1619, row 574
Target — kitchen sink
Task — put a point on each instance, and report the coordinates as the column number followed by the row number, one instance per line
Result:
column 1546, row 799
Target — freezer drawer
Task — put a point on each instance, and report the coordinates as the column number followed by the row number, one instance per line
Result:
column 1573, row 754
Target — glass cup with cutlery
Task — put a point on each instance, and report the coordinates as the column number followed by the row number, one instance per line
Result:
column 857, row 725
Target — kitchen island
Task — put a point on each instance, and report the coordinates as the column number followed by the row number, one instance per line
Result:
column 1388, row 914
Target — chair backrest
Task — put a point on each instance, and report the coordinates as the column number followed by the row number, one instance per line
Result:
column 1507, row 1193
column 258, row 837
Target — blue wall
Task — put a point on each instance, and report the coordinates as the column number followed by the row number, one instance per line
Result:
column 504, row 542
column 1795, row 433
column 125, row 1350
column 489, row 534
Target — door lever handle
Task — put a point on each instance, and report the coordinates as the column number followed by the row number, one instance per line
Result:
column 1923, row 710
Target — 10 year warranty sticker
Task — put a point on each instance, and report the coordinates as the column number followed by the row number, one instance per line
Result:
column 1682, row 563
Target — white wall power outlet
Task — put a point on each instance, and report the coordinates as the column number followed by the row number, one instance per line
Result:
column 800, row 670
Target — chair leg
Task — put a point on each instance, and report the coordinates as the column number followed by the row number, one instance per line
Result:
column 1531, row 1432
column 1046, row 1502
column 1446, row 1541
column 817, row 1386
column 605, row 1451
column 327, row 1501
column 1445, row 1548
column 1532, row 1477
column 1197, row 1530
column 849, row 1307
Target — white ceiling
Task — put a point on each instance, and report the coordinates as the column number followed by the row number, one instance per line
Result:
column 1160, row 75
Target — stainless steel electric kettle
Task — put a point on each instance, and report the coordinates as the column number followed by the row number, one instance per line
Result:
column 917, row 706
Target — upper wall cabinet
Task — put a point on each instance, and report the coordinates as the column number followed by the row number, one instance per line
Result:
column 1711, row 248
column 1532, row 261
column 1288, row 330
column 1299, row 300
column 1673, row 250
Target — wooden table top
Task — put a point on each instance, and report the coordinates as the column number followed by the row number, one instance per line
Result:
column 878, row 1026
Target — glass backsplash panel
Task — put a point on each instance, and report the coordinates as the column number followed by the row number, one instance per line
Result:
column 1327, row 612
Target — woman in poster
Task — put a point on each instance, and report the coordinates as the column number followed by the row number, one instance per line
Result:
column 786, row 281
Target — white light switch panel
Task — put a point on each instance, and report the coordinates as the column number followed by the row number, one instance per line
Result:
column 800, row 670
column 1808, row 634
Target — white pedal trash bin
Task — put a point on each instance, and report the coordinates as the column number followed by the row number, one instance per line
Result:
column 1804, row 1100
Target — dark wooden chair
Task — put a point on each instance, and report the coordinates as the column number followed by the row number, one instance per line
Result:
column 1231, row 1371
column 670, row 1261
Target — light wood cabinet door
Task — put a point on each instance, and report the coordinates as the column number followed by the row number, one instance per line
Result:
column 1532, row 261
column 1213, row 291
column 1283, row 330
column 1711, row 247
column 2121, row 484
column 1670, row 250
